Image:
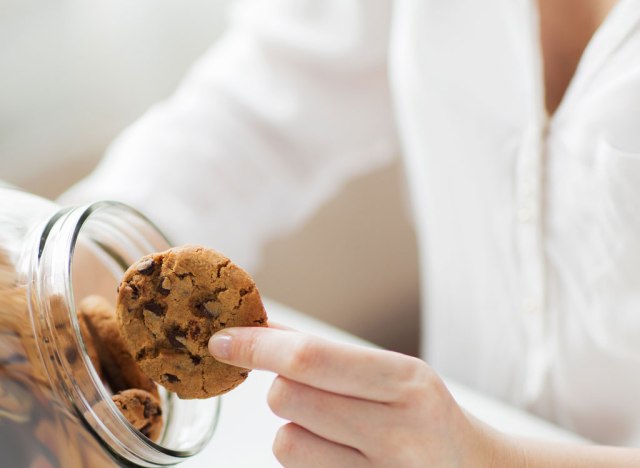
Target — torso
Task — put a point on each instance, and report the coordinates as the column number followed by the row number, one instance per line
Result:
column 528, row 229
column 566, row 26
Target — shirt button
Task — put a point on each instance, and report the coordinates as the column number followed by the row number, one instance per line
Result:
column 530, row 305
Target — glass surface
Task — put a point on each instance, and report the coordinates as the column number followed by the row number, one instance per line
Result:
column 54, row 409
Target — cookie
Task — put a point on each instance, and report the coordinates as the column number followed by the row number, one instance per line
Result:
column 89, row 344
column 118, row 367
column 142, row 410
column 170, row 303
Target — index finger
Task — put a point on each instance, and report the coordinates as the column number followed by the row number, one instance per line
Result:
column 345, row 369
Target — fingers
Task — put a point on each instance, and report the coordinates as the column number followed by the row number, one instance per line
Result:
column 353, row 422
column 279, row 326
column 295, row 447
column 338, row 368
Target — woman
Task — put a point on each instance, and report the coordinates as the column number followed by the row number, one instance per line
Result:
column 518, row 124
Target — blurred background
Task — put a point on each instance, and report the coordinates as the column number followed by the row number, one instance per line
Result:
column 75, row 73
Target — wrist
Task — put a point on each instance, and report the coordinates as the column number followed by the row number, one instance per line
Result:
column 495, row 448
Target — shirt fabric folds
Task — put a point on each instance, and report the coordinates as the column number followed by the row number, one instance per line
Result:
column 528, row 224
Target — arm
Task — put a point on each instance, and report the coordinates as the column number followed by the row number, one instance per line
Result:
column 268, row 125
column 355, row 406
column 539, row 453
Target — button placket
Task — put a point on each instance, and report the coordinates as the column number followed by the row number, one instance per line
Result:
column 531, row 306
column 531, row 256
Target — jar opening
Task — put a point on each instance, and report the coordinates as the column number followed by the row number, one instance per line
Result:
column 84, row 251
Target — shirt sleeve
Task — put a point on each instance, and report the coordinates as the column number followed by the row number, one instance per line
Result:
column 278, row 114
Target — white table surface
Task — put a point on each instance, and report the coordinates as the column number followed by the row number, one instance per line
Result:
column 247, row 427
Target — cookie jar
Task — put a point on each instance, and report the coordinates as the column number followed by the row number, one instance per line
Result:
column 54, row 409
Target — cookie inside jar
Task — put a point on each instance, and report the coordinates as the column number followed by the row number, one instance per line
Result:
column 83, row 252
column 135, row 394
column 56, row 407
column 169, row 423
column 35, row 430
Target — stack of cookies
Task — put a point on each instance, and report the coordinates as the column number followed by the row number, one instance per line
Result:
column 135, row 394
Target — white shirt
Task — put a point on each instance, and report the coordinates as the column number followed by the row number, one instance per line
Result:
column 529, row 227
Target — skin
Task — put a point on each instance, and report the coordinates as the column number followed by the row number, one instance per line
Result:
column 566, row 27
column 359, row 407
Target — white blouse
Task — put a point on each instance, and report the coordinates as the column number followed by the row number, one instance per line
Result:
column 529, row 226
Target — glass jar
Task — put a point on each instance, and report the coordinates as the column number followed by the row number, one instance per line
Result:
column 54, row 409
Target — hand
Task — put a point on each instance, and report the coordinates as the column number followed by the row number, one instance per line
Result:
column 354, row 406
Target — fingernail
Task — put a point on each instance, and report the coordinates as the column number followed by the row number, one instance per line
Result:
column 220, row 345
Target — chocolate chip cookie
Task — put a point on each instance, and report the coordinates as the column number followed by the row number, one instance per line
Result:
column 118, row 367
column 170, row 303
column 142, row 410
column 89, row 344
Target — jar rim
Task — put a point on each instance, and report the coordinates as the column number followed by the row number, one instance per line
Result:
column 123, row 234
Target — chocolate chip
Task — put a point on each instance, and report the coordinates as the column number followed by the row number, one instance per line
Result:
column 164, row 286
column 146, row 267
column 155, row 308
column 147, row 353
column 135, row 294
column 176, row 337
column 170, row 378
column 208, row 309
column 150, row 409
column 195, row 359
column 71, row 355
column 244, row 374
